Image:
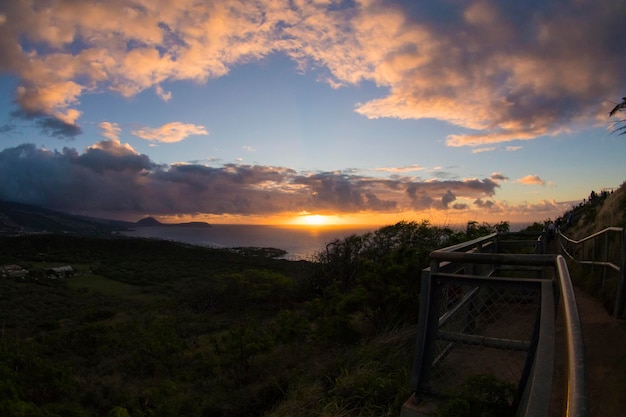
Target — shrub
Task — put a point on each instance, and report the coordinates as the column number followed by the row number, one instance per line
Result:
column 480, row 396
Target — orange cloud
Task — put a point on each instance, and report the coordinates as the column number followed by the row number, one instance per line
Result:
column 486, row 149
column 506, row 72
column 410, row 168
column 531, row 180
column 170, row 132
column 114, row 147
column 110, row 130
column 52, row 99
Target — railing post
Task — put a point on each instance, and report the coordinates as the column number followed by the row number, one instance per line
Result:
column 606, row 257
column 618, row 310
column 427, row 329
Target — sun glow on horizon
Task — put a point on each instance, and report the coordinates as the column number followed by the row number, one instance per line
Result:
column 309, row 220
column 315, row 220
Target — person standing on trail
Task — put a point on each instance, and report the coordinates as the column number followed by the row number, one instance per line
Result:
column 551, row 230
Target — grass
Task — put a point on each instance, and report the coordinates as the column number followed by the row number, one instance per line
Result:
column 100, row 284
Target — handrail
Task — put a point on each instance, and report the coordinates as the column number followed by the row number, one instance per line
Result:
column 469, row 244
column 494, row 258
column 577, row 399
column 608, row 229
column 620, row 293
column 536, row 387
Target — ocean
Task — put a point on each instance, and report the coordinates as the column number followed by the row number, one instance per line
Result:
column 300, row 243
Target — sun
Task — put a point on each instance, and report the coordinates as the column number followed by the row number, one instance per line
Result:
column 314, row 220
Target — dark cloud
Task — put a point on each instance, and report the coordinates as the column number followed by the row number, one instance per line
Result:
column 376, row 204
column 484, row 204
column 424, row 195
column 498, row 177
column 444, row 175
column 57, row 128
column 112, row 178
column 447, row 198
column 421, row 200
column 6, row 128
column 329, row 190
column 101, row 161
column 49, row 125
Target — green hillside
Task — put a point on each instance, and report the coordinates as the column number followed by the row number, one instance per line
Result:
column 600, row 210
column 154, row 328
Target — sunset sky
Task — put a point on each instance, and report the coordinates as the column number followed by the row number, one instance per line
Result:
column 267, row 111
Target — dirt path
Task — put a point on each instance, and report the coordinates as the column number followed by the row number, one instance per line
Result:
column 605, row 354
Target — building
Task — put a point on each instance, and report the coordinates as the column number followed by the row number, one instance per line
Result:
column 13, row 271
column 60, row 272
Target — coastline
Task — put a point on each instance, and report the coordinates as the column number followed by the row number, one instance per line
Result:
column 299, row 243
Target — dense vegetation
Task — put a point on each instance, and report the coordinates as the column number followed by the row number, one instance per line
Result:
column 155, row 328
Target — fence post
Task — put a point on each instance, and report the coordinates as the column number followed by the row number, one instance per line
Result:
column 427, row 327
column 619, row 297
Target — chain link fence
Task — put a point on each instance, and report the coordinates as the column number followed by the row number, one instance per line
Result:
column 486, row 329
column 484, row 313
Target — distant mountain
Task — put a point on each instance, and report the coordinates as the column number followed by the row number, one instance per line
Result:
column 152, row 222
column 148, row 222
column 22, row 219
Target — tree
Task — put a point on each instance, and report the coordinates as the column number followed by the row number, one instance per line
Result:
column 237, row 348
column 620, row 125
column 375, row 276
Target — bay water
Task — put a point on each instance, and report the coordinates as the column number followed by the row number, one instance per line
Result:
column 300, row 243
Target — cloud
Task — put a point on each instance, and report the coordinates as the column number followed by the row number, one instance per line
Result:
column 110, row 156
column 484, row 204
column 502, row 70
column 57, row 128
column 51, row 99
column 497, row 176
column 114, row 179
column 49, row 125
column 447, row 198
column 170, row 132
column 165, row 96
column 110, row 130
column 7, row 127
column 546, row 208
column 442, row 175
column 409, row 168
column 531, row 180
column 486, row 149
column 505, row 72
column 438, row 194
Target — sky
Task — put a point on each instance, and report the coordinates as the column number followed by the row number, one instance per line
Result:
column 312, row 112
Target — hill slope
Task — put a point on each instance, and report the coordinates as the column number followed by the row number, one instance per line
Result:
column 599, row 211
column 22, row 219
column 17, row 219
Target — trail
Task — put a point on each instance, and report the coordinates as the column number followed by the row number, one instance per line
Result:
column 605, row 357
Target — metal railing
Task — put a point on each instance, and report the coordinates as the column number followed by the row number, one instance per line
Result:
column 487, row 312
column 605, row 249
